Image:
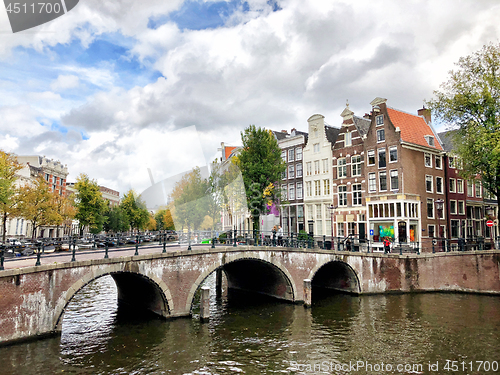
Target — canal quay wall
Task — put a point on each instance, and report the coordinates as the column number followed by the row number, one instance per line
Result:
column 33, row 299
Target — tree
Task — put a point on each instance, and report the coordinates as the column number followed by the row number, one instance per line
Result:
column 8, row 190
column 261, row 166
column 38, row 204
column 135, row 210
column 191, row 197
column 90, row 205
column 470, row 100
column 116, row 220
column 164, row 220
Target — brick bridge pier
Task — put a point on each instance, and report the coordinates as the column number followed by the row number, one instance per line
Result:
column 33, row 299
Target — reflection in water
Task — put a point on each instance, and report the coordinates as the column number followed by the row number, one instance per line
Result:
column 258, row 335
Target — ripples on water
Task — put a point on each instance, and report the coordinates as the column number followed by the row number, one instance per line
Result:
column 259, row 336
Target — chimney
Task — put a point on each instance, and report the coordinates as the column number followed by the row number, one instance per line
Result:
column 426, row 113
column 367, row 116
column 284, row 131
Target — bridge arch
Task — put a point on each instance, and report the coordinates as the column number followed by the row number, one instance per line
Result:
column 163, row 301
column 226, row 261
column 336, row 275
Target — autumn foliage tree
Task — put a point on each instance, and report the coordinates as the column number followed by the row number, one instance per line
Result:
column 39, row 205
column 8, row 189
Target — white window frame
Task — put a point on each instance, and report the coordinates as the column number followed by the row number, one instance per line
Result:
column 357, row 196
column 379, row 120
column 356, row 165
column 316, row 167
column 342, row 195
column 372, row 182
column 372, row 154
column 316, row 147
column 433, row 208
column 429, row 156
column 437, row 185
column 326, row 187
column 392, row 173
column 380, row 132
column 325, row 165
column 347, row 139
column 440, row 158
column 298, row 170
column 393, row 148
column 460, row 186
column 428, row 178
column 452, row 185
column 453, row 204
column 341, row 167
column 298, row 153
column 380, row 175
column 291, row 152
column 291, row 191
column 384, row 152
column 291, row 171
column 300, row 191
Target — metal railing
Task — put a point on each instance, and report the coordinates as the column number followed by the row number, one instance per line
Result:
column 164, row 239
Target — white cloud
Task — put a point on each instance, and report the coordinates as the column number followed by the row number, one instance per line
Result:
column 64, row 82
column 271, row 69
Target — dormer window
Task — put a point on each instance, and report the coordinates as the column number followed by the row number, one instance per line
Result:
column 430, row 140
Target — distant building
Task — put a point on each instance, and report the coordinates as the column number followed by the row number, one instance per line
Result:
column 292, row 182
column 318, row 176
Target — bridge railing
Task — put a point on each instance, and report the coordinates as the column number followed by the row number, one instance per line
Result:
column 165, row 239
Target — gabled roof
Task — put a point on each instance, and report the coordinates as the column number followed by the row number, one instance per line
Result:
column 447, row 140
column 331, row 134
column 413, row 128
column 279, row 135
column 362, row 125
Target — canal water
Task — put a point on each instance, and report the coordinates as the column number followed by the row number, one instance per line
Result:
column 434, row 333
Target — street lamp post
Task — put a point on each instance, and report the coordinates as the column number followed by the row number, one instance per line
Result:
column 439, row 209
column 332, row 211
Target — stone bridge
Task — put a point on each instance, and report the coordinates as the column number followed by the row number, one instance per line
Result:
column 33, row 299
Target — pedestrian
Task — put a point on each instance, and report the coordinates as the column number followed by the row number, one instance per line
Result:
column 387, row 246
column 280, row 236
column 274, row 235
column 348, row 244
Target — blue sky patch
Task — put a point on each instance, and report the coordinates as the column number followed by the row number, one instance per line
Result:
column 196, row 15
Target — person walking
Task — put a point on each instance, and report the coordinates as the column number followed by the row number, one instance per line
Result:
column 280, row 236
column 274, row 235
column 387, row 246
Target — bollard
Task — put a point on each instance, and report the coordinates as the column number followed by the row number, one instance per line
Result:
column 73, row 257
column 189, row 239
column 307, row 293
column 106, row 256
column 324, row 240
column 136, row 245
column 164, row 243
column 234, row 244
column 2, row 257
column 205, row 304
column 38, row 253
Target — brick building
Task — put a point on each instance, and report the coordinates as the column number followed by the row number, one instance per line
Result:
column 349, row 182
column 405, row 176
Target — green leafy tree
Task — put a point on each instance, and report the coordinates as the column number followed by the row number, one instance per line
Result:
column 116, row 220
column 470, row 101
column 8, row 190
column 261, row 166
column 135, row 210
column 39, row 205
column 90, row 205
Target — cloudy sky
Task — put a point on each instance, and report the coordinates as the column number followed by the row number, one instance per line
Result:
column 113, row 88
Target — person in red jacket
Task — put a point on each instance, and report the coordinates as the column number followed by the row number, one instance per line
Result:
column 387, row 246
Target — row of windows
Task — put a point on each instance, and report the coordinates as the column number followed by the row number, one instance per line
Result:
column 293, row 154
column 356, row 195
column 382, row 157
column 382, row 181
column 398, row 209
column 293, row 171
column 355, row 166
column 317, row 188
column 291, row 191
column 317, row 167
